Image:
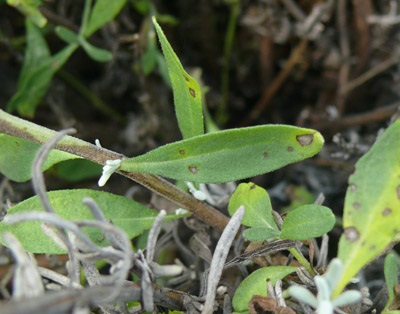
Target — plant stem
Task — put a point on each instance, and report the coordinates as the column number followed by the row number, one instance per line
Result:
column 302, row 260
column 14, row 126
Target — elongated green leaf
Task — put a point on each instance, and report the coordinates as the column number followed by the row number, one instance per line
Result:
column 371, row 217
column 17, row 156
column 130, row 216
column 256, row 284
column 307, row 222
column 97, row 54
column 257, row 203
column 103, row 12
column 67, row 35
column 187, row 93
column 37, row 71
column 76, row 170
column 229, row 155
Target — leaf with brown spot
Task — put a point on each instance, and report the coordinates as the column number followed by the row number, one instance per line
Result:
column 372, row 205
column 227, row 155
column 186, row 90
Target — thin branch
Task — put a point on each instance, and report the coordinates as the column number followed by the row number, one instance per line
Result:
column 14, row 126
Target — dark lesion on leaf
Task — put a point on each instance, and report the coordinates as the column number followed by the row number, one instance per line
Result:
column 290, row 149
column 351, row 234
column 386, row 212
column 186, row 78
column 305, row 139
column 182, row 152
column 265, row 154
column 193, row 169
column 192, row 92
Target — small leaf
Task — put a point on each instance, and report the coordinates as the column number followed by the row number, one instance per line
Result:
column 229, row 155
column 187, row 93
column 391, row 270
column 307, row 222
column 126, row 214
column 371, row 210
column 261, row 233
column 103, row 12
column 67, row 35
column 97, row 54
column 17, row 157
column 256, row 284
column 257, row 204
column 30, row 9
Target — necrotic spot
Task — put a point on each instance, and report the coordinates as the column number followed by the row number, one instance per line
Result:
column 305, row 139
column 398, row 192
column 386, row 211
column 193, row 169
column 290, row 149
column 265, row 154
column 352, row 187
column 182, row 152
column 351, row 234
column 186, row 78
column 192, row 92
column 356, row 205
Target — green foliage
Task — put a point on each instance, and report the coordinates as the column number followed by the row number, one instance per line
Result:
column 17, row 156
column 230, row 154
column 303, row 223
column 371, row 210
column 256, row 284
column 40, row 66
column 37, row 71
column 126, row 214
column 187, row 93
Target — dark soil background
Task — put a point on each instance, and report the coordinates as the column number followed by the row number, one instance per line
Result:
column 340, row 76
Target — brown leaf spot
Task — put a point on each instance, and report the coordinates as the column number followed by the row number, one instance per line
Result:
column 352, row 187
column 290, row 149
column 186, row 78
column 351, row 234
column 356, row 205
column 398, row 192
column 305, row 139
column 265, row 154
column 386, row 211
column 252, row 187
column 193, row 169
column 182, row 152
column 192, row 92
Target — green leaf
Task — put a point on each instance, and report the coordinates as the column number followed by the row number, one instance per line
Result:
column 30, row 9
column 391, row 270
column 261, row 233
column 67, row 35
column 371, row 211
column 103, row 12
column 17, row 156
column 256, row 284
column 257, row 203
column 186, row 90
column 229, row 155
column 126, row 214
column 307, row 222
column 37, row 71
column 97, row 54
column 76, row 170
